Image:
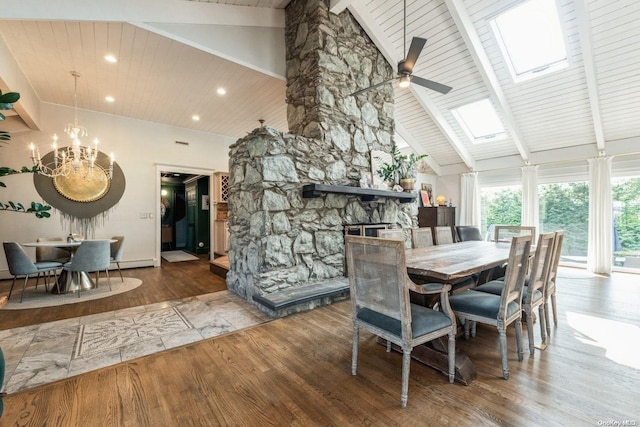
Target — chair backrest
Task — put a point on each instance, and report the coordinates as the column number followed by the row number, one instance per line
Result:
column 443, row 235
column 377, row 274
column 514, row 278
column 117, row 248
column 51, row 254
column 557, row 250
column 394, row 233
column 92, row 255
column 422, row 237
column 540, row 266
column 468, row 232
column 504, row 233
column 17, row 259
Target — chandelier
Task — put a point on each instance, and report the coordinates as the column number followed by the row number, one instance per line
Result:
column 76, row 160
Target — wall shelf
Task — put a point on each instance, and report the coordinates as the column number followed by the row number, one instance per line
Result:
column 365, row 194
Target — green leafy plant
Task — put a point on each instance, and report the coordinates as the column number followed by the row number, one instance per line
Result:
column 38, row 209
column 402, row 166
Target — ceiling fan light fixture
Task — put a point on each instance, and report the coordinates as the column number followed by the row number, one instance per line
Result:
column 405, row 81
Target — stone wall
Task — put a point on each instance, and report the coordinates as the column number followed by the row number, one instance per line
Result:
column 278, row 239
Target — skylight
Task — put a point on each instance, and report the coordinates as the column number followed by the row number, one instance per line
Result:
column 531, row 39
column 480, row 121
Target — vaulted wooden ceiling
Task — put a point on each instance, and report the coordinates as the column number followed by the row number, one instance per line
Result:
column 174, row 54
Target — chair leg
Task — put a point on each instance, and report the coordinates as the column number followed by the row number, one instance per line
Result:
column 555, row 309
column 120, row 271
column 518, row 325
column 12, row 285
column 354, row 351
column 502, row 337
column 108, row 278
column 546, row 318
column 467, row 324
column 388, row 346
column 473, row 328
column 452, row 356
column 529, row 319
column 26, row 279
column 543, row 321
column 406, row 363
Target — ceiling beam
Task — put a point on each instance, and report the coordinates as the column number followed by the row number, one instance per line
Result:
column 337, row 6
column 159, row 11
column 474, row 45
column 584, row 27
column 438, row 118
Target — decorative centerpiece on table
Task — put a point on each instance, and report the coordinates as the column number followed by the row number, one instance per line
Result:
column 401, row 171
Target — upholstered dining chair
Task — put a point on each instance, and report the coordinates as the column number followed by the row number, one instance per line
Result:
column 44, row 254
column 116, row 251
column 379, row 288
column 499, row 310
column 21, row 265
column 422, row 237
column 92, row 255
column 468, row 232
column 443, row 235
column 535, row 283
column 550, row 291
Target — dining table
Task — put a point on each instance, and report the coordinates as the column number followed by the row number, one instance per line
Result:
column 451, row 264
column 68, row 282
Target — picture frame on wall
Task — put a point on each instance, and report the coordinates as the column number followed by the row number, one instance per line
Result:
column 378, row 158
column 429, row 189
column 424, row 196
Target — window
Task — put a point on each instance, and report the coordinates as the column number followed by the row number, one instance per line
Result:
column 626, row 222
column 565, row 206
column 480, row 121
column 500, row 206
column 531, row 39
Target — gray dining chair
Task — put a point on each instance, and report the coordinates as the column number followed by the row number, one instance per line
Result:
column 443, row 235
column 116, row 251
column 499, row 310
column 92, row 255
column 550, row 291
column 422, row 237
column 392, row 233
column 468, row 232
column 379, row 289
column 44, row 254
column 534, row 286
column 504, row 233
column 20, row 264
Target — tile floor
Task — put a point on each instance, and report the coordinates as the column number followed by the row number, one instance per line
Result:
column 47, row 352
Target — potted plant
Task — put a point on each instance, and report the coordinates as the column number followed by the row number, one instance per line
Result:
column 407, row 169
column 402, row 169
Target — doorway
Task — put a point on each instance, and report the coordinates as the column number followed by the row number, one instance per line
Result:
column 184, row 218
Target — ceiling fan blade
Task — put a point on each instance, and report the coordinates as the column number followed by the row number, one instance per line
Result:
column 429, row 84
column 417, row 43
column 358, row 92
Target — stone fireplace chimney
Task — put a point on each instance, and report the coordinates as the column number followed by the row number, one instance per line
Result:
column 278, row 239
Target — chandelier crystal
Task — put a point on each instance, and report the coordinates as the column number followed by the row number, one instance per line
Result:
column 77, row 159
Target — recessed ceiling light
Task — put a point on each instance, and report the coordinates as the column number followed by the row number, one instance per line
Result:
column 195, row 117
column 109, row 98
column 110, row 58
column 221, row 91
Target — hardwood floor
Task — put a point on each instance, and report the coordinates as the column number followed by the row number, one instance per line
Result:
column 297, row 371
column 170, row 281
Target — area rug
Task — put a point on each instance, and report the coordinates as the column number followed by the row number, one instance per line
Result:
column 176, row 256
column 39, row 298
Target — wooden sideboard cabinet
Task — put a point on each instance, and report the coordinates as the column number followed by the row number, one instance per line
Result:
column 437, row 216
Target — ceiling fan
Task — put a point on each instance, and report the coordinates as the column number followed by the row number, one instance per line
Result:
column 405, row 67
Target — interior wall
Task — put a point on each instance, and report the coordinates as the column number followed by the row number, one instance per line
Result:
column 139, row 146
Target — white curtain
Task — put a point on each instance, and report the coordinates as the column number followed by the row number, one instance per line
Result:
column 530, row 211
column 469, row 199
column 600, row 249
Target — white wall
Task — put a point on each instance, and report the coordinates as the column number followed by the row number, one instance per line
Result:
column 139, row 148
